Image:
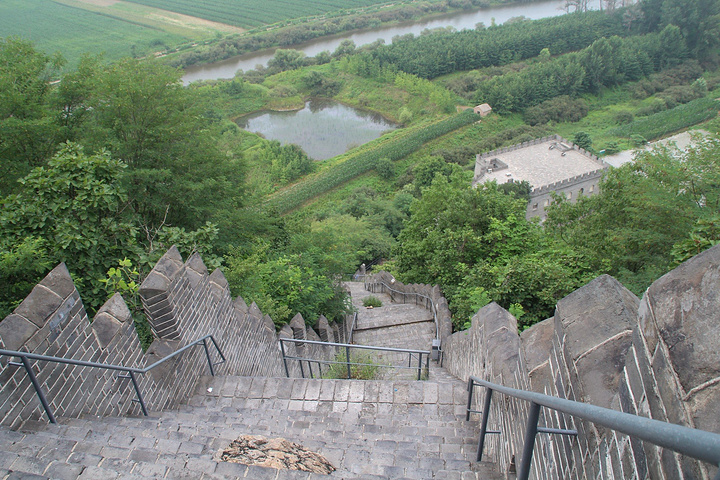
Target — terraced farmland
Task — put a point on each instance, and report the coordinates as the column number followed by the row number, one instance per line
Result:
column 74, row 31
column 252, row 13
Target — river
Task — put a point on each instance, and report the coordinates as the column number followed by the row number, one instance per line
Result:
column 459, row 21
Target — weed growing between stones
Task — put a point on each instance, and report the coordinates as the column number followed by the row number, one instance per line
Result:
column 372, row 301
column 362, row 367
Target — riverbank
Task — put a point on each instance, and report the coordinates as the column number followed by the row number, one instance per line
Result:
column 297, row 35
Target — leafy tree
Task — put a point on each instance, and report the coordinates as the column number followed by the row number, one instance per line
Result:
column 144, row 116
column 644, row 210
column 28, row 134
column 77, row 206
column 283, row 285
column 23, row 263
column 582, row 140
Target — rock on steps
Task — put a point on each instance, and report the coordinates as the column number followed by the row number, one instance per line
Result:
column 368, row 430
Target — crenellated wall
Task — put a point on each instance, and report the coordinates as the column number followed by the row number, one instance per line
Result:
column 658, row 357
column 183, row 302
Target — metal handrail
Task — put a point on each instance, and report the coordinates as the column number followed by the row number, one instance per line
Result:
column 130, row 371
column 352, row 327
column 699, row 444
column 347, row 361
column 426, row 297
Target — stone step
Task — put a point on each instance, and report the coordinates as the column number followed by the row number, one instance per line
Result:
column 368, row 430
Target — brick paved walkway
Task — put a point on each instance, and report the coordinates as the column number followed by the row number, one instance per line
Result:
column 380, row 429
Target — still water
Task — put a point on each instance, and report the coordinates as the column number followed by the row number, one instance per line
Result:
column 323, row 128
column 458, row 20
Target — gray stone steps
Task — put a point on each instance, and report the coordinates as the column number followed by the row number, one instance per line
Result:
column 368, row 430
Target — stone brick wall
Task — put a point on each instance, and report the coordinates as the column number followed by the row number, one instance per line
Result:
column 183, row 302
column 652, row 357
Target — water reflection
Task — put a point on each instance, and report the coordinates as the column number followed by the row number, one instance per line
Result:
column 323, row 128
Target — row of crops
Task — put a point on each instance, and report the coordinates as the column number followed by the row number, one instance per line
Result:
column 668, row 121
column 394, row 148
column 74, row 31
column 253, row 13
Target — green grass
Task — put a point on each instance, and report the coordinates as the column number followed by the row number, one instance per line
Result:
column 669, row 121
column 252, row 13
column 55, row 27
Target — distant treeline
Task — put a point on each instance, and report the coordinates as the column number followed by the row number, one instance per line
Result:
column 303, row 32
column 430, row 56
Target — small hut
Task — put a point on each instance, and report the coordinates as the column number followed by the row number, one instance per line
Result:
column 483, row 110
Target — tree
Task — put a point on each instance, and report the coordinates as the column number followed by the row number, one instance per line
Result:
column 28, row 134
column 77, row 206
column 582, row 140
column 287, row 59
column 644, row 210
column 143, row 115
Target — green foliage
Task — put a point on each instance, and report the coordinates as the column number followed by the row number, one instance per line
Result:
column 582, row 140
column 663, row 123
column 27, row 134
column 146, row 117
column 467, row 302
column 366, row 368
column 430, row 56
column 705, row 234
column 125, row 280
column 286, row 162
column 644, row 210
column 22, row 266
column 78, row 207
column 284, row 284
column 357, row 163
column 558, row 109
column 372, row 301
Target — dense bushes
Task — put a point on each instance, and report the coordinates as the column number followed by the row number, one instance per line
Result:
column 558, row 109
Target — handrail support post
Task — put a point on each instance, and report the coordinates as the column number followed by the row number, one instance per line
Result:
column 38, row 389
column 282, row 349
column 529, row 445
column 347, row 362
column 484, row 422
column 140, row 399
column 207, row 355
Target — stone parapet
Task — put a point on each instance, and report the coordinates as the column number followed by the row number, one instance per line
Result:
column 183, row 302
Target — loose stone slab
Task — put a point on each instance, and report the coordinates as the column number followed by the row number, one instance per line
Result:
column 274, row 453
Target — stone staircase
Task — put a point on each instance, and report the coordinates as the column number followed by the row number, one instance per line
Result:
column 395, row 428
column 366, row 429
column 393, row 325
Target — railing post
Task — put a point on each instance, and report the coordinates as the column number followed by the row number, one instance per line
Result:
column 302, row 370
column 528, row 447
column 484, row 422
column 347, row 362
column 427, row 365
column 207, row 355
column 139, row 395
column 419, row 365
column 38, row 389
column 310, row 368
column 282, row 349
column 471, row 390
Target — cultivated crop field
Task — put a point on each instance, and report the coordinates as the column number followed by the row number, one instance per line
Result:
column 74, row 31
column 252, row 13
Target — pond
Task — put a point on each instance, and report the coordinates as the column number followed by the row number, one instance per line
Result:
column 323, row 128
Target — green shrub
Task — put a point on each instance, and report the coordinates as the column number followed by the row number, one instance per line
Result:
column 372, row 301
column 368, row 370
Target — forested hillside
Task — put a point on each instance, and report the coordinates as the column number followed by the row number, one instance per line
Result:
column 111, row 165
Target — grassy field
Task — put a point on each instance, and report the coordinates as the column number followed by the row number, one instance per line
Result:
column 252, row 13
column 117, row 29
